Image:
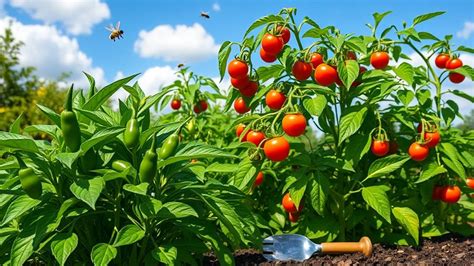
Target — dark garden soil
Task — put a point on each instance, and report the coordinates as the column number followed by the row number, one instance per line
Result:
column 450, row 249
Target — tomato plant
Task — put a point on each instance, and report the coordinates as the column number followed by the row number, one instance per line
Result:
column 362, row 96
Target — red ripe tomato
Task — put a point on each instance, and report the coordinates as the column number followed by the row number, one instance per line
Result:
column 418, row 152
column 176, row 104
column 258, row 180
column 201, row 106
column 454, row 63
column 451, row 194
column 272, row 44
column 441, row 60
column 301, row 70
column 237, row 69
column 470, row 182
column 285, row 33
column 267, row 57
column 380, row 147
column 456, row 77
column 240, row 106
column 316, row 60
column 276, row 149
column 350, row 55
column 256, row 137
column 294, row 124
column 240, row 83
column 293, row 217
column 419, row 128
column 250, row 90
column 275, row 99
column 240, row 128
column 288, row 204
column 437, row 192
column 379, row 60
column 432, row 139
column 325, row 75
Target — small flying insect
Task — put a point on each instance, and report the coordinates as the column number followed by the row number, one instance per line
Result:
column 180, row 65
column 115, row 33
column 205, row 14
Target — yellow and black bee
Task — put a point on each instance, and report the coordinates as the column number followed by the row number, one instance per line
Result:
column 115, row 33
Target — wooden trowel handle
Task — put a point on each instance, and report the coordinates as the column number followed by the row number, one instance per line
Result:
column 364, row 245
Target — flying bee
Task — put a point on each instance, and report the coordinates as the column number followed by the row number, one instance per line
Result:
column 205, row 14
column 180, row 65
column 115, row 33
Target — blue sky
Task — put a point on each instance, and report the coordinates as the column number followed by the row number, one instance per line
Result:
column 80, row 24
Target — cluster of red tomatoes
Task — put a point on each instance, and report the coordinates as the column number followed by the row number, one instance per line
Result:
column 452, row 193
column 418, row 150
column 198, row 107
column 444, row 61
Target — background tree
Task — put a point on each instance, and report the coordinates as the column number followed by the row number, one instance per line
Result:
column 21, row 89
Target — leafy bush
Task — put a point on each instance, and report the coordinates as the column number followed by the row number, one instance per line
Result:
column 85, row 199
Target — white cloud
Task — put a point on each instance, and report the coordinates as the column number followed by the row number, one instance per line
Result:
column 466, row 31
column 216, row 7
column 78, row 16
column 52, row 53
column 182, row 44
column 150, row 81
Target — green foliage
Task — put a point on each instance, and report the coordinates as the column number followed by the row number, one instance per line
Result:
column 104, row 216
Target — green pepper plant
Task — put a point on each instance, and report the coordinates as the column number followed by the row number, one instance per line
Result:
column 115, row 187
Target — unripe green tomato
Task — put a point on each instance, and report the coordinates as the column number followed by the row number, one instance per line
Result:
column 121, row 165
column 131, row 135
column 168, row 147
column 148, row 166
column 30, row 182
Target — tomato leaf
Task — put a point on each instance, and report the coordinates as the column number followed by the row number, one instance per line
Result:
column 316, row 105
column 405, row 96
column 298, row 188
column 102, row 254
column 377, row 199
column 386, row 165
column 378, row 17
column 405, row 71
column 408, row 219
column 465, row 49
column 360, row 145
column 319, row 193
column 427, row 16
column 348, row 72
column 429, row 171
column 263, row 21
column 351, row 122
column 63, row 245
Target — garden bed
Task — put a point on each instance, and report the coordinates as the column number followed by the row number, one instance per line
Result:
column 448, row 249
